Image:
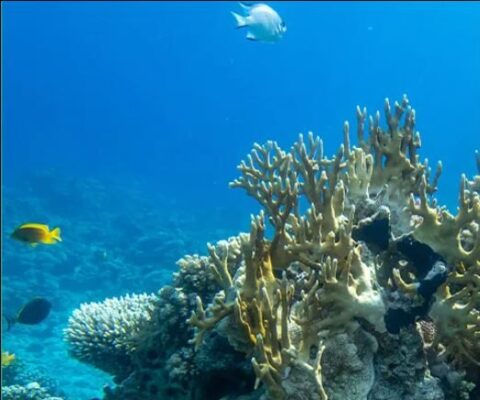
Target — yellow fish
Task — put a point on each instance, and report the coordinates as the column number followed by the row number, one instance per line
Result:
column 34, row 234
column 7, row 358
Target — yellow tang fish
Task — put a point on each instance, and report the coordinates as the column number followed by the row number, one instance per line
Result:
column 7, row 358
column 34, row 234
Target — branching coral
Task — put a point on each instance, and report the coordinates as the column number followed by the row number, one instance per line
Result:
column 307, row 305
column 343, row 287
column 259, row 310
column 394, row 152
column 258, row 276
column 456, row 238
column 271, row 357
column 382, row 178
column 103, row 334
column 474, row 184
column 443, row 232
column 204, row 275
column 318, row 178
column 457, row 316
column 269, row 178
column 347, row 292
column 386, row 169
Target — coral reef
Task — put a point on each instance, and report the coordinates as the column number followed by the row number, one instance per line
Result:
column 32, row 391
column 120, row 235
column 103, row 334
column 363, row 289
column 24, row 381
column 159, row 361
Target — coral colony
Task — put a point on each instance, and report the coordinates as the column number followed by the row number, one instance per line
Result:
column 364, row 288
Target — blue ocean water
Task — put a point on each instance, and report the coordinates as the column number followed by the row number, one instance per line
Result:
column 123, row 122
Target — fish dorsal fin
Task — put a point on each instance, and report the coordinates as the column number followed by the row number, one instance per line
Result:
column 34, row 226
column 245, row 7
column 241, row 21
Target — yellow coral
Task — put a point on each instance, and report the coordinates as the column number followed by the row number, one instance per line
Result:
column 457, row 319
column 329, row 278
column 443, row 232
column 456, row 311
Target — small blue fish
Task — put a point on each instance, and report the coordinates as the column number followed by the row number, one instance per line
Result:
column 263, row 23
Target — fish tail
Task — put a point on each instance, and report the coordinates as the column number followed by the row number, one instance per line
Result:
column 55, row 234
column 10, row 322
column 241, row 21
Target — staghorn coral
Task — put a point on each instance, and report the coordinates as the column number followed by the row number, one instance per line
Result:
column 444, row 232
column 456, row 311
column 394, row 152
column 474, row 184
column 457, row 317
column 386, row 169
column 346, row 294
column 325, row 305
column 343, row 194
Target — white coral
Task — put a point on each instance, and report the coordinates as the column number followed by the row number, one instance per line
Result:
column 103, row 333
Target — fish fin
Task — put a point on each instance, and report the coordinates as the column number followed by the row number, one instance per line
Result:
column 241, row 21
column 251, row 36
column 246, row 7
column 55, row 234
column 42, row 227
column 33, row 244
column 10, row 322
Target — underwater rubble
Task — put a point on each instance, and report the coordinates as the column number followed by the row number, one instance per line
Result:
column 360, row 288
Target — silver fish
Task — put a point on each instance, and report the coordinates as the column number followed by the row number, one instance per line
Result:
column 263, row 22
